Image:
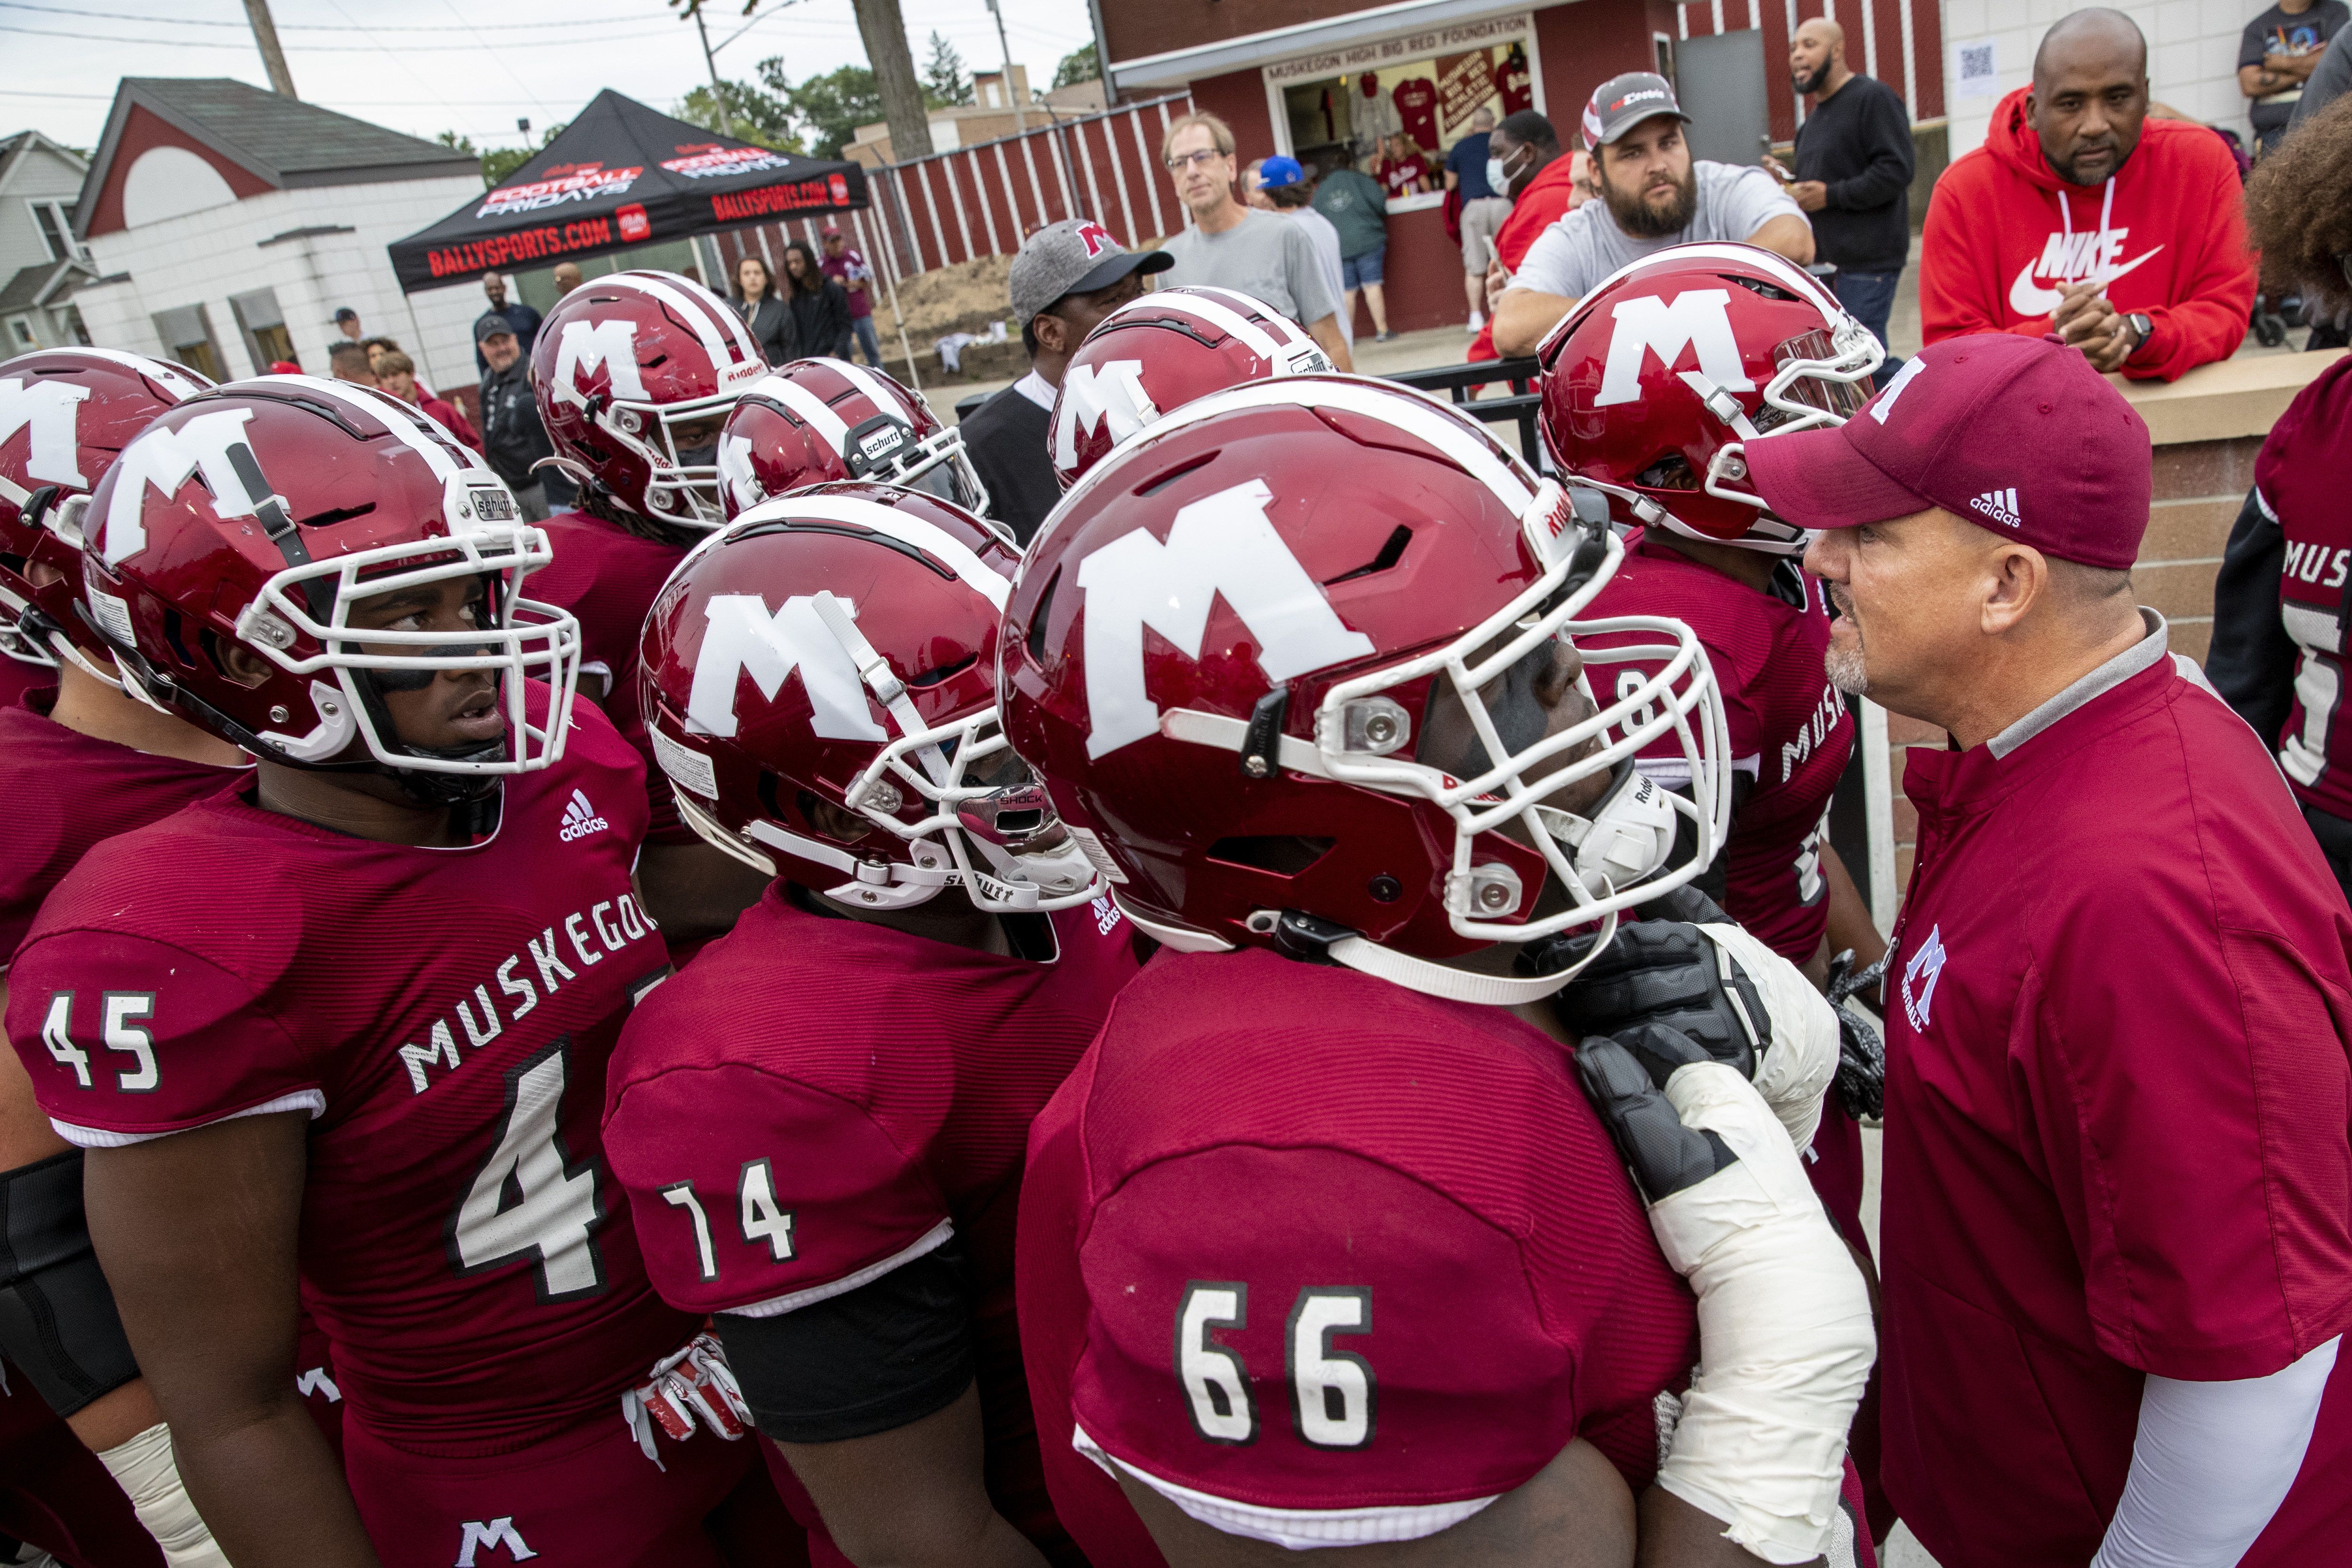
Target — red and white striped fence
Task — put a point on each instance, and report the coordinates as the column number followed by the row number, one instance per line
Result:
column 984, row 200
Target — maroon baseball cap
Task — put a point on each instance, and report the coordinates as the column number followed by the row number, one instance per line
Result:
column 2017, row 435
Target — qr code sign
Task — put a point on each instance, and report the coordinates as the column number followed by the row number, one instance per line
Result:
column 1979, row 70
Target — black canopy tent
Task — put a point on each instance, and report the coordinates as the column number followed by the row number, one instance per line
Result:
column 619, row 175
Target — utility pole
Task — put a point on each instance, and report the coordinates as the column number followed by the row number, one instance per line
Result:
column 264, row 37
column 718, row 91
column 1020, row 112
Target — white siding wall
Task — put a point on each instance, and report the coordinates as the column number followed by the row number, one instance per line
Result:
column 2192, row 55
column 206, row 256
column 37, row 173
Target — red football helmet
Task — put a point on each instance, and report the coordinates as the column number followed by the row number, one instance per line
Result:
column 824, row 667
column 1156, row 354
column 64, row 414
column 1223, row 655
column 818, row 421
column 260, row 514
column 636, row 371
column 1770, row 352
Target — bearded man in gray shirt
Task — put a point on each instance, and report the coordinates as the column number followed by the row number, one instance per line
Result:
column 1233, row 245
column 1654, row 195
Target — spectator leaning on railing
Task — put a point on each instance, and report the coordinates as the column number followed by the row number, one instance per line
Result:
column 2079, row 215
column 1525, row 164
column 1654, row 195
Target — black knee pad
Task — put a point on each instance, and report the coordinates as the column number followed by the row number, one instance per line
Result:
column 57, row 1321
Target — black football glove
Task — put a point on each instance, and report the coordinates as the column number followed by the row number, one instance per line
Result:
column 1625, row 1080
column 1862, row 1056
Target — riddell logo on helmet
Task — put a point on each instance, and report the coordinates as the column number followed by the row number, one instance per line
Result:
column 580, row 818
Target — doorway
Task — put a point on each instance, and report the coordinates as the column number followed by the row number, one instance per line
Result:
column 1720, row 80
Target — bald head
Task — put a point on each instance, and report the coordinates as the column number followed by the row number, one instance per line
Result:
column 2097, row 37
column 2090, row 94
column 1817, row 59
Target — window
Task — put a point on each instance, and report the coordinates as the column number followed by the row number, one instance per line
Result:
column 55, row 220
column 22, row 332
column 187, row 337
column 1351, row 119
column 263, row 325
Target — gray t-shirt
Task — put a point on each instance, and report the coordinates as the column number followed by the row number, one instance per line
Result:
column 1586, row 244
column 1262, row 256
column 1326, row 245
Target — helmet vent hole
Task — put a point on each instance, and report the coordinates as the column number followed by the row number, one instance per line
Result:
column 1670, row 472
column 1284, row 855
column 175, row 633
column 945, row 672
column 337, row 514
column 1391, row 551
column 1036, row 641
column 1160, row 481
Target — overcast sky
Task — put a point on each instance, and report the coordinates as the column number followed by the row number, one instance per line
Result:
column 427, row 65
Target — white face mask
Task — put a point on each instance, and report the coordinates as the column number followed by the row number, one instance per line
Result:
column 1497, row 181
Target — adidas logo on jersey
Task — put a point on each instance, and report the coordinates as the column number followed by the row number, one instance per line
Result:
column 580, row 818
column 2000, row 506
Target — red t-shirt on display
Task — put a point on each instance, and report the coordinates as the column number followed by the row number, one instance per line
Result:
column 2117, row 1016
column 444, row 1017
column 1516, row 82
column 1416, row 101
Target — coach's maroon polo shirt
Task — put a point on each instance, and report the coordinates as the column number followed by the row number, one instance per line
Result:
column 2116, row 1121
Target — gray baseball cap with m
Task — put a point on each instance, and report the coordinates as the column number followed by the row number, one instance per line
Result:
column 1076, row 256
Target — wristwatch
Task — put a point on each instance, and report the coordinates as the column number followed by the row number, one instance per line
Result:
column 2142, row 329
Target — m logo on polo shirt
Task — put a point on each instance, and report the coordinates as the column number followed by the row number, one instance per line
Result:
column 1919, row 977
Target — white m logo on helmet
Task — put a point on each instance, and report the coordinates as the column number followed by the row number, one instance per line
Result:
column 46, row 407
column 586, row 346
column 1093, row 396
column 1699, row 318
column 742, row 638
column 1222, row 544
column 168, row 459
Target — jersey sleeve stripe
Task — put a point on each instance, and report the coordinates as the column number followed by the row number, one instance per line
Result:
column 777, row 1305
column 312, row 1099
column 1297, row 1528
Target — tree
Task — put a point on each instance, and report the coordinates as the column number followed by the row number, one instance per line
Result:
column 499, row 162
column 945, row 83
column 1079, row 65
column 883, row 30
column 761, row 118
column 830, row 106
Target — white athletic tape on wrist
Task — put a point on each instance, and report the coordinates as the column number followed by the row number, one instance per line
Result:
column 1795, row 1073
column 1785, row 1336
column 144, row 1468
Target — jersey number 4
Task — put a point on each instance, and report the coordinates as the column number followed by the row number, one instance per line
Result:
column 1333, row 1394
column 528, row 1200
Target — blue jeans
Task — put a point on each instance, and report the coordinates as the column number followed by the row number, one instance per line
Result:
column 867, row 340
column 1869, row 298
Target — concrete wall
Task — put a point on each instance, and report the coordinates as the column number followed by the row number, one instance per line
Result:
column 2193, row 56
column 203, row 257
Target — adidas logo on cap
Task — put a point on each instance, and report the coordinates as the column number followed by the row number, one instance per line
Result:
column 580, row 818
column 2000, row 506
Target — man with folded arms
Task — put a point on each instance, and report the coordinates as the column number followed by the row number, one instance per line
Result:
column 2116, row 1258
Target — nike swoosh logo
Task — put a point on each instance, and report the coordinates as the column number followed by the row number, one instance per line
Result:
column 2027, row 299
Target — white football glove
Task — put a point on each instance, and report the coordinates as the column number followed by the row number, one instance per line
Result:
column 694, row 1387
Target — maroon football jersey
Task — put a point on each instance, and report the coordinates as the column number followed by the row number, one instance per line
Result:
column 1791, row 733
column 1299, row 1241
column 2298, row 479
column 818, row 1100
column 68, row 791
column 446, row 1016
column 607, row 578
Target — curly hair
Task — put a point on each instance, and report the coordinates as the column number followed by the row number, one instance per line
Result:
column 2299, row 210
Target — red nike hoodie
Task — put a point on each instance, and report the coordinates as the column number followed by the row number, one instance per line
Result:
column 2005, row 234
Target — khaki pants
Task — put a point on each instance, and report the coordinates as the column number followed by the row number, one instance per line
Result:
column 1480, row 220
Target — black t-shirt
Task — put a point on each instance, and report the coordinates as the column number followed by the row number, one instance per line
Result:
column 2275, row 32
column 1005, row 437
column 1857, row 142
